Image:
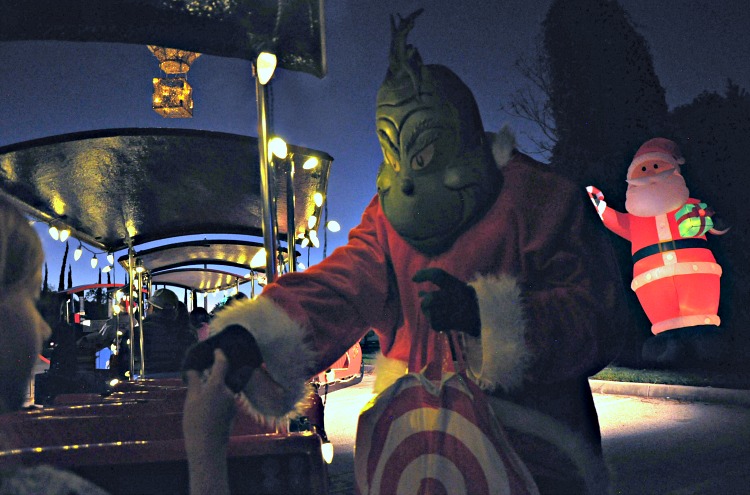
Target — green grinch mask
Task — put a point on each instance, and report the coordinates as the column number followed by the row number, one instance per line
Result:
column 438, row 177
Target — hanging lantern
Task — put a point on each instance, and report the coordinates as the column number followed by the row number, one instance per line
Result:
column 173, row 61
column 173, row 96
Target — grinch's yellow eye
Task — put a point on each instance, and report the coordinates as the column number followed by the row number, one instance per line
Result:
column 423, row 158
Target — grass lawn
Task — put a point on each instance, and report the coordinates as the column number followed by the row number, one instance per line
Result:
column 699, row 378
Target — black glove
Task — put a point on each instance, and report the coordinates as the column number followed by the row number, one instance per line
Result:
column 240, row 348
column 453, row 307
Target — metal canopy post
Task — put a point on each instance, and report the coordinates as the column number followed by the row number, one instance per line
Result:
column 267, row 182
column 291, row 228
column 131, row 308
column 141, row 276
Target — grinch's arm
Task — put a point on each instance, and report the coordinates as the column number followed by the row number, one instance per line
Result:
column 556, row 318
column 304, row 321
column 617, row 222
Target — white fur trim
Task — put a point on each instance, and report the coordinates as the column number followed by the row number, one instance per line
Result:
column 387, row 371
column 282, row 342
column 503, row 143
column 499, row 357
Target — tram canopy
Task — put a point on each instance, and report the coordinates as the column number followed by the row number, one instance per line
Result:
column 109, row 186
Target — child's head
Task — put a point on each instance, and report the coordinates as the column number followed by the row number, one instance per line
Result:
column 22, row 328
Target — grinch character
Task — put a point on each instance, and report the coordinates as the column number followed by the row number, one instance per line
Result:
column 465, row 233
column 675, row 275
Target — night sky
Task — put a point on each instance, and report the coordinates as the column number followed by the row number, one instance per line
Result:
column 49, row 88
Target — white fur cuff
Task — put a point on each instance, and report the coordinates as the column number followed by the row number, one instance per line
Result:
column 503, row 143
column 499, row 357
column 287, row 356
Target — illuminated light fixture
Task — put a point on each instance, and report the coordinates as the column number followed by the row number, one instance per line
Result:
column 278, row 147
column 318, row 199
column 173, row 96
column 54, row 233
column 265, row 67
column 94, row 262
column 106, row 269
column 139, row 268
column 113, row 382
column 130, row 227
column 78, row 252
column 311, row 163
column 305, row 242
column 333, row 226
column 314, row 238
column 259, row 260
column 301, row 265
column 64, row 234
column 326, row 448
column 172, row 60
column 111, row 258
column 312, row 221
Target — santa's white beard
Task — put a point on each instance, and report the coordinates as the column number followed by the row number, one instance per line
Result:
column 660, row 196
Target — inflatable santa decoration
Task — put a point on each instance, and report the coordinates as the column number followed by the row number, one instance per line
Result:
column 675, row 275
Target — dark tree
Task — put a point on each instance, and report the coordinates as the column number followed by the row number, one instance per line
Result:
column 605, row 98
column 45, row 284
column 532, row 103
column 70, row 276
column 713, row 132
column 61, row 284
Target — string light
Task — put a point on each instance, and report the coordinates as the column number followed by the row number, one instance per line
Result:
column 310, row 163
column 111, row 258
column 54, row 233
column 278, row 147
column 106, row 269
column 265, row 66
column 94, row 261
column 318, row 199
column 78, row 252
column 333, row 226
column 314, row 238
column 64, row 234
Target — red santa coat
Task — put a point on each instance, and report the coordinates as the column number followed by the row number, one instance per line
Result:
column 677, row 283
column 546, row 285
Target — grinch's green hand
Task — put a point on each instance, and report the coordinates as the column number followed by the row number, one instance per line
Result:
column 453, row 306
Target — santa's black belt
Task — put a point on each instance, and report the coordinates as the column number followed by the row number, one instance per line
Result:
column 662, row 247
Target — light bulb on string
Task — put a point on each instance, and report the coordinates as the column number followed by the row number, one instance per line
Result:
column 278, row 147
column 94, row 261
column 333, row 226
column 111, row 258
column 314, row 238
column 106, row 268
column 318, row 199
column 78, row 252
column 310, row 163
column 64, row 234
column 54, row 233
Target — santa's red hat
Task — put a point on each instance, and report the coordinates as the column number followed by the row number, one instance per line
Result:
column 657, row 149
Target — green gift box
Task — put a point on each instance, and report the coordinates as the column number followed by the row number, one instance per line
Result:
column 694, row 220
